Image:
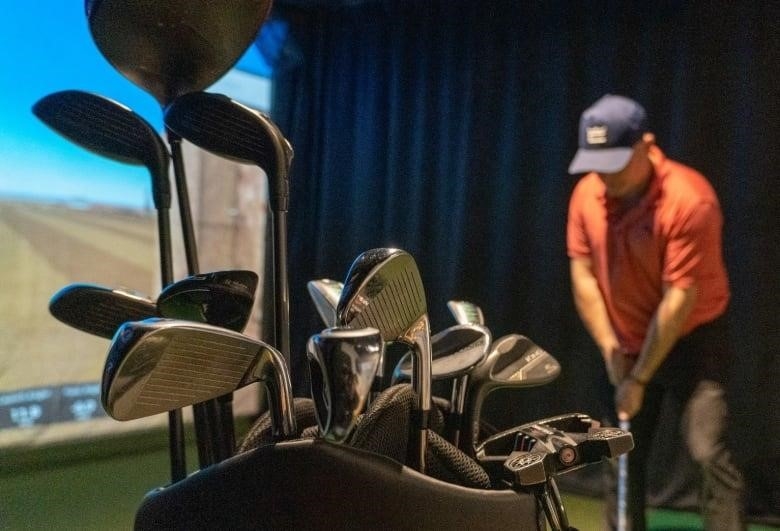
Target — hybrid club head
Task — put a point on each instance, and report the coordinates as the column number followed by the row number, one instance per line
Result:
column 514, row 361
column 158, row 365
column 174, row 47
column 325, row 294
column 342, row 365
column 466, row 312
column 234, row 131
column 383, row 290
column 220, row 298
column 109, row 129
column 99, row 310
column 455, row 351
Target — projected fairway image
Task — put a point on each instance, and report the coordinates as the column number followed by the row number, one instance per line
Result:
column 49, row 371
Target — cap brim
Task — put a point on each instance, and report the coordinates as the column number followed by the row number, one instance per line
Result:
column 608, row 160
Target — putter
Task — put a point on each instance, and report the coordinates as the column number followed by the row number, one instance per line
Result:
column 168, row 49
column 514, row 362
column 325, row 294
column 157, row 365
column 231, row 130
column 466, row 312
column 342, row 365
column 383, row 290
column 110, row 129
column 533, row 454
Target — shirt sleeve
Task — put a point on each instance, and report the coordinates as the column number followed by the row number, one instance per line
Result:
column 691, row 243
column 577, row 243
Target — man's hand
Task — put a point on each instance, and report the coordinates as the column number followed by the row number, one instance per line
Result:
column 617, row 361
column 629, row 396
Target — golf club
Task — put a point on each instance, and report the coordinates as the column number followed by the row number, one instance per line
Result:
column 622, row 484
column 168, row 49
column 342, row 365
column 514, row 361
column 157, row 365
column 455, row 352
column 109, row 129
column 383, row 290
column 466, row 312
column 325, row 294
column 219, row 298
column 229, row 129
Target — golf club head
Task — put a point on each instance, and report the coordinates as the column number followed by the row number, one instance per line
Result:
column 455, row 351
column 342, row 365
column 466, row 312
column 99, row 310
column 383, row 290
column 158, row 365
column 174, row 47
column 325, row 294
column 515, row 362
column 109, row 129
column 564, row 451
column 220, row 298
column 227, row 128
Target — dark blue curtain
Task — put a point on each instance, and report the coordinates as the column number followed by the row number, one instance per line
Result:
column 445, row 128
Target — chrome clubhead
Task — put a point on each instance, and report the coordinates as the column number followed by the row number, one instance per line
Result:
column 158, row 365
column 99, row 310
column 342, row 365
column 455, row 351
column 383, row 290
column 325, row 294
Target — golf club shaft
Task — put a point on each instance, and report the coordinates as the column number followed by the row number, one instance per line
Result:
column 213, row 418
column 176, row 441
column 622, row 484
column 281, row 284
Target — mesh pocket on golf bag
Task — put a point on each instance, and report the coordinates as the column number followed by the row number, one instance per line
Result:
column 260, row 432
column 384, row 429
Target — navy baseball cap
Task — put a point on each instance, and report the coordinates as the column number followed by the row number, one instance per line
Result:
column 608, row 131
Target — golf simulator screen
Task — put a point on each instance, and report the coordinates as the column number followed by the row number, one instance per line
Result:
column 67, row 216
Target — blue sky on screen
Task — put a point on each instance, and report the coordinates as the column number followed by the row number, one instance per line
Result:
column 47, row 48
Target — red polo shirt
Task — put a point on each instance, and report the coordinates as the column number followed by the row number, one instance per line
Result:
column 673, row 235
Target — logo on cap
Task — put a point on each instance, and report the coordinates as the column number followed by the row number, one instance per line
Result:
column 596, row 134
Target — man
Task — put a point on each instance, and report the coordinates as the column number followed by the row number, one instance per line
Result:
column 650, row 285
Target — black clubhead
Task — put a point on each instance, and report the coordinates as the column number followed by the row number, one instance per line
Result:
column 221, row 298
column 227, row 128
column 108, row 128
column 177, row 46
column 99, row 310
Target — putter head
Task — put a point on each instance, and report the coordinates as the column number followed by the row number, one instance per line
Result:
column 563, row 450
column 455, row 351
column 466, row 312
column 325, row 294
column 342, row 366
column 108, row 128
column 220, row 298
column 99, row 310
column 227, row 128
column 159, row 365
column 174, row 47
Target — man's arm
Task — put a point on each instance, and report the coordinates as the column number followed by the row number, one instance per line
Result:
column 593, row 312
column 662, row 333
